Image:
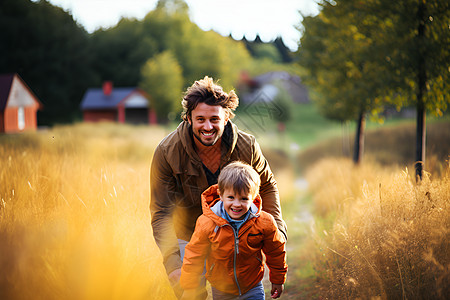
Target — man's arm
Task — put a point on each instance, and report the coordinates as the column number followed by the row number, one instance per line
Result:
column 274, row 248
column 195, row 255
column 162, row 204
column 269, row 189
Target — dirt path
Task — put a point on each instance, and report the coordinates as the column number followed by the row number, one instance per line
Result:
column 298, row 216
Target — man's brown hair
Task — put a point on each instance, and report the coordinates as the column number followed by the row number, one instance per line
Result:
column 240, row 177
column 208, row 92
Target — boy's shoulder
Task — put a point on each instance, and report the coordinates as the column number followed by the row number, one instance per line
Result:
column 266, row 215
column 204, row 223
column 266, row 219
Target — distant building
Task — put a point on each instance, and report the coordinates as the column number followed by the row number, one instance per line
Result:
column 265, row 87
column 123, row 105
column 18, row 105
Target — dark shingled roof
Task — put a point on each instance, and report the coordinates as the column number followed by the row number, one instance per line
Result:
column 5, row 87
column 96, row 99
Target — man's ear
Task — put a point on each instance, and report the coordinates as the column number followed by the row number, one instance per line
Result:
column 189, row 120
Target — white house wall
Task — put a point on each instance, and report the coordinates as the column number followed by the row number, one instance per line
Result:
column 19, row 95
column 136, row 101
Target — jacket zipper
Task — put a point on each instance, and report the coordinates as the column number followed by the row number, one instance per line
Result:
column 236, row 252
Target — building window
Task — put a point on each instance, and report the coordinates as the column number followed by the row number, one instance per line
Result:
column 21, row 118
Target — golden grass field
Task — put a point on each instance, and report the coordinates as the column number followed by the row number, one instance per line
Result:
column 74, row 217
column 75, row 223
column 384, row 236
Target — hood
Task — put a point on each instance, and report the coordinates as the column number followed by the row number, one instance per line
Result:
column 229, row 138
column 210, row 198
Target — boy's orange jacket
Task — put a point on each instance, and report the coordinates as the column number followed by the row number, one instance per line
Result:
column 234, row 261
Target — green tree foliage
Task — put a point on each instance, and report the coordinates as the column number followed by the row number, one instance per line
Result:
column 341, row 67
column 60, row 60
column 362, row 54
column 162, row 79
column 414, row 45
column 126, row 47
column 121, row 51
column 270, row 51
column 45, row 46
column 275, row 49
column 199, row 53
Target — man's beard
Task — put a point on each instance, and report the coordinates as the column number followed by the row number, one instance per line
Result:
column 209, row 144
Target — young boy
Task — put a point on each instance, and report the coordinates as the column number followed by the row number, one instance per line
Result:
column 231, row 235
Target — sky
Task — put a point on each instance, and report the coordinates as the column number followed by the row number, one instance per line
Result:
column 268, row 18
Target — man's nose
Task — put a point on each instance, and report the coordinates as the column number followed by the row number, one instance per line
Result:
column 208, row 125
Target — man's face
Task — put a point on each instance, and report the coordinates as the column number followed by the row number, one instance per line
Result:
column 236, row 204
column 208, row 123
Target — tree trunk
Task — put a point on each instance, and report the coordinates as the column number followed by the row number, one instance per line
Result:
column 345, row 139
column 420, row 138
column 421, row 88
column 359, row 139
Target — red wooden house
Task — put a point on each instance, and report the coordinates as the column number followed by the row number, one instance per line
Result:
column 123, row 105
column 18, row 105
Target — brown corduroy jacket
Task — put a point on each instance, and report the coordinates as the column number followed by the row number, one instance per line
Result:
column 177, row 180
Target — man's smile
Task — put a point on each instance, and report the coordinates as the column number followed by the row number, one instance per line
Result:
column 208, row 134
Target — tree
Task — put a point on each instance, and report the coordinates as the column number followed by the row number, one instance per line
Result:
column 415, row 47
column 396, row 52
column 341, row 67
column 50, row 51
column 121, row 51
column 162, row 80
column 199, row 53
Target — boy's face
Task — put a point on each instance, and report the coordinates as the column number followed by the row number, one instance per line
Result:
column 236, row 205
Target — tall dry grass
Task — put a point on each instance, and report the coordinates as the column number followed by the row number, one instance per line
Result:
column 390, row 145
column 388, row 237
column 74, row 217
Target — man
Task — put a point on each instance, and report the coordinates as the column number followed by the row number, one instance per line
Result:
column 189, row 160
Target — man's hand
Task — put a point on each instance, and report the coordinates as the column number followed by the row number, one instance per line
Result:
column 276, row 291
column 190, row 294
column 174, row 279
column 174, row 276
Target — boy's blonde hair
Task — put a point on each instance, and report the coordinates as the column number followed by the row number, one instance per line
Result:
column 240, row 177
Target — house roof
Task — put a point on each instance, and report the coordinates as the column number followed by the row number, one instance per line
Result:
column 276, row 75
column 291, row 83
column 6, row 83
column 5, row 87
column 96, row 99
